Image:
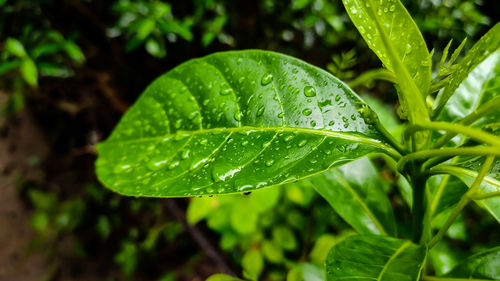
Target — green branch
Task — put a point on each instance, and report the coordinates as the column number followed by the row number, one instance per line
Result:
column 468, row 196
column 475, row 134
column 425, row 154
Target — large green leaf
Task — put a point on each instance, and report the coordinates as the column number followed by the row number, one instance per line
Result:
column 375, row 258
column 234, row 122
column 481, row 266
column 467, row 172
column 488, row 44
column 356, row 193
column 392, row 34
column 481, row 86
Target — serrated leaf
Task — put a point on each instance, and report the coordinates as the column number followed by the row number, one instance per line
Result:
column 234, row 122
column 355, row 192
column 392, row 34
column 467, row 172
column 483, row 266
column 480, row 86
column 375, row 258
column 488, row 44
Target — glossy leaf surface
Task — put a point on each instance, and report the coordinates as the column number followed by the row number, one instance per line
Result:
column 488, row 44
column 467, row 172
column 234, row 122
column 375, row 258
column 355, row 192
column 403, row 34
column 482, row 266
column 376, row 22
column 481, row 86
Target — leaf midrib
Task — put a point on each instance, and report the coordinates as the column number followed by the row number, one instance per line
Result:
column 396, row 253
column 367, row 210
column 342, row 135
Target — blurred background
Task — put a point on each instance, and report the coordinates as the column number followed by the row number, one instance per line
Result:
column 70, row 68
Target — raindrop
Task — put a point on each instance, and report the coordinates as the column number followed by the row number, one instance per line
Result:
column 266, row 79
column 295, row 71
column 185, row 154
column 307, row 112
column 260, row 111
column 331, row 123
column 226, row 92
column 313, row 123
column 237, row 116
column 173, row 165
column 309, row 91
column 178, row 123
column 244, row 143
column 302, row 143
column 280, row 115
column 392, row 8
column 337, row 98
column 269, row 163
column 203, row 141
column 156, row 164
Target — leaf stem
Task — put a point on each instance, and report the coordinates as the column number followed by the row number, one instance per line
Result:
column 468, row 196
column 476, row 134
column 487, row 195
column 424, row 154
column 481, row 111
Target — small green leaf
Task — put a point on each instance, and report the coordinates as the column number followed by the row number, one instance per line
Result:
column 144, row 28
column 252, row 264
column 375, row 257
column 479, row 87
column 74, row 52
column 222, row 277
column 484, row 266
column 392, row 34
column 15, row 47
column 467, row 172
column 29, row 72
column 284, row 237
column 235, row 122
column 488, row 44
column 272, row 252
column 155, row 47
column 355, row 192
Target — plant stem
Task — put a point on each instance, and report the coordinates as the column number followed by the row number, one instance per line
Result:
column 374, row 74
column 476, row 134
column 468, row 196
column 419, row 207
column 424, row 154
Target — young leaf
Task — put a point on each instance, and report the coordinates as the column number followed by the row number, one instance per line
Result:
column 234, row 122
column 29, row 72
column 480, row 87
column 481, row 266
column 222, row 277
column 355, row 192
column 468, row 171
column 489, row 43
column 375, row 258
column 392, row 34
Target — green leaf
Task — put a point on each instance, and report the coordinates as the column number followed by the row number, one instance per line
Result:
column 234, row 122
column 375, row 257
column 488, row 44
column 392, row 34
column 222, row 277
column 74, row 51
column 284, row 237
column 252, row 264
column 467, row 172
column 484, row 266
column 355, row 192
column 15, row 47
column 481, row 86
column 445, row 191
column 29, row 72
